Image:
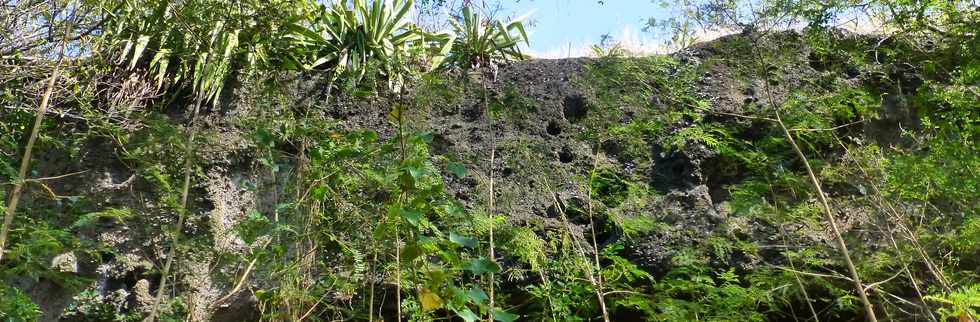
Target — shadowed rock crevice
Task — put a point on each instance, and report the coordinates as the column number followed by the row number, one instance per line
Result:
column 565, row 155
column 553, row 128
column 575, row 108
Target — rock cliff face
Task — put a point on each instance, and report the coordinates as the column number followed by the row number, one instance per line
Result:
column 546, row 120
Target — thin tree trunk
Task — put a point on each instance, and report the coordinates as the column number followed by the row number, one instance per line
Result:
column 491, row 211
column 595, row 244
column 25, row 160
column 188, row 164
column 799, row 281
column 491, row 208
column 398, row 254
column 828, row 212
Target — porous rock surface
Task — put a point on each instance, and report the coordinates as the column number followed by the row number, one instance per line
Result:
column 693, row 203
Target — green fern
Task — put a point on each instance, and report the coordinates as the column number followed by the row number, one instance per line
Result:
column 117, row 214
column 962, row 304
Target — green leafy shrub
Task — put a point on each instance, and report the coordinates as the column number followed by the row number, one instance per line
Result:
column 191, row 44
column 962, row 304
column 359, row 38
column 482, row 43
column 116, row 214
column 15, row 306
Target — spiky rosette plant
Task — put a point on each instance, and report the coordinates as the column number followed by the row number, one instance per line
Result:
column 480, row 42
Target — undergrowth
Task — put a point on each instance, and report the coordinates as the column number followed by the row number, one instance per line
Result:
column 367, row 224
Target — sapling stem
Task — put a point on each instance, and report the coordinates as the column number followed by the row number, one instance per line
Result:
column 182, row 212
column 595, row 244
column 25, row 160
column 825, row 204
column 491, row 208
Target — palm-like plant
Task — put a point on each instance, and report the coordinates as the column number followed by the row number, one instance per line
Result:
column 480, row 42
column 353, row 40
column 177, row 42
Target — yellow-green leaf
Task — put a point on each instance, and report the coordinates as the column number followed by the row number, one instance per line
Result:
column 429, row 299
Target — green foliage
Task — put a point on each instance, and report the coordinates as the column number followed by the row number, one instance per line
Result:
column 12, row 126
column 821, row 114
column 15, row 306
column 692, row 293
column 111, row 214
column 199, row 44
column 711, row 135
column 619, row 82
column 482, row 43
column 609, row 188
column 33, row 245
column 191, row 44
column 606, row 52
column 528, row 248
column 347, row 214
column 391, row 189
column 964, row 302
column 653, row 94
column 566, row 296
column 157, row 149
column 944, row 163
column 969, row 236
column 358, row 38
column 621, row 273
column 434, row 90
column 632, row 217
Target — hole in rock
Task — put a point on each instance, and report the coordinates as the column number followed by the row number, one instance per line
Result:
column 553, row 128
column 575, row 108
column 565, row 155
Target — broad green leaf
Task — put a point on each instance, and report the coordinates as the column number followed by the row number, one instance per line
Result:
column 410, row 253
column 138, row 50
column 436, row 276
column 461, row 240
column 504, row 316
column 481, row 266
column 263, row 294
column 412, row 216
column 477, row 295
column 467, row 315
column 406, row 181
column 455, row 209
column 416, row 172
column 430, row 300
column 457, row 168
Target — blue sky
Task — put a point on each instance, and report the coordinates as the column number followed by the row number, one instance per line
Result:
column 563, row 28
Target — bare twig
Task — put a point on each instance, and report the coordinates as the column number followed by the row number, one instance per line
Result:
column 241, row 281
column 750, row 117
column 871, row 286
column 49, row 112
column 840, row 277
column 829, row 128
column 799, row 281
